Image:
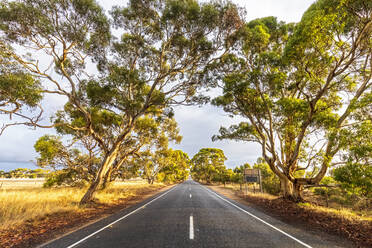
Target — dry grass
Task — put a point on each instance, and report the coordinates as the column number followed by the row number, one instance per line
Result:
column 344, row 212
column 339, row 210
column 19, row 205
column 12, row 183
column 249, row 191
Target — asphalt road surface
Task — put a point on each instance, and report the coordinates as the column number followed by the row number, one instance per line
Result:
column 192, row 215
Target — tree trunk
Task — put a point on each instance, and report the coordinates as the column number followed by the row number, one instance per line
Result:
column 100, row 177
column 291, row 191
column 107, row 178
column 297, row 192
column 286, row 187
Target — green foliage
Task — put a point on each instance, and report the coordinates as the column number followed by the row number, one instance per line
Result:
column 177, row 168
column 65, row 177
column 155, row 160
column 73, row 167
column 356, row 178
column 25, row 173
column 158, row 62
column 292, row 82
column 52, row 19
column 18, row 88
column 270, row 181
column 325, row 191
column 208, row 165
column 127, row 171
column 49, row 148
column 237, row 177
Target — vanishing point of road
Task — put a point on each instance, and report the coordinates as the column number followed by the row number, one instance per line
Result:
column 190, row 215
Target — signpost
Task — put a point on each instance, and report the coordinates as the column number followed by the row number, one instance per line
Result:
column 253, row 176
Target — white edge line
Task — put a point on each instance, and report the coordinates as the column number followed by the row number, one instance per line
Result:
column 121, row 218
column 191, row 227
column 254, row 216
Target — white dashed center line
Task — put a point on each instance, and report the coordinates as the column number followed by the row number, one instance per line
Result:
column 191, row 227
column 190, row 195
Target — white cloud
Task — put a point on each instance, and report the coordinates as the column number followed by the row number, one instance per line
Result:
column 199, row 124
column 285, row 10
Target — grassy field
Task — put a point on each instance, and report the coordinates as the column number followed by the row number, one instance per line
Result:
column 20, row 204
column 12, row 183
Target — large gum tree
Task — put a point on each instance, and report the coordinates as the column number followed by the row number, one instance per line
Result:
column 156, row 64
column 304, row 90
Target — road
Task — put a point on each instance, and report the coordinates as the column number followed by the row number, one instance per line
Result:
column 191, row 215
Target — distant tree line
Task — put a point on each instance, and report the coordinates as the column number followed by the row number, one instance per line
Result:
column 24, row 173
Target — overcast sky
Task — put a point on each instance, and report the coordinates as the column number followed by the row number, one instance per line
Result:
column 197, row 124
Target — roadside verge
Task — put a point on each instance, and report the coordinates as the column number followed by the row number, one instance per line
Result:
column 356, row 230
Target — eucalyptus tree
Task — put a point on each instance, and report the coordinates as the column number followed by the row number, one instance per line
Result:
column 207, row 164
column 354, row 170
column 302, row 90
column 156, row 64
column 54, row 41
column 151, row 163
column 148, row 134
column 177, row 169
column 19, row 90
column 155, row 157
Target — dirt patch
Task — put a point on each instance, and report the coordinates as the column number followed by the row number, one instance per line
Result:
column 38, row 231
column 354, row 229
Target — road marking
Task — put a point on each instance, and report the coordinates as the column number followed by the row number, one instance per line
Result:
column 190, row 195
column 191, row 227
column 257, row 218
column 121, row 218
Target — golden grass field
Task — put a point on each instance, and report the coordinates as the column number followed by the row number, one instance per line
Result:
column 19, row 204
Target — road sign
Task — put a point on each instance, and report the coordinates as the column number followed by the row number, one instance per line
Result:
column 251, row 172
column 253, row 176
column 251, row 179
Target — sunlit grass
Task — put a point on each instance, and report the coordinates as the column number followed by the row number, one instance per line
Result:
column 20, row 205
column 341, row 211
column 249, row 191
column 344, row 212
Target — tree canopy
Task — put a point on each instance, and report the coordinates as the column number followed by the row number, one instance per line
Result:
column 303, row 89
column 207, row 164
column 156, row 64
column 300, row 88
column 18, row 89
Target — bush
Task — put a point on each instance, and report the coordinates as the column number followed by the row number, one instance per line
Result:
column 270, row 182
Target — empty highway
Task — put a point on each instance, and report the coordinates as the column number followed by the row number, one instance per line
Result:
column 191, row 215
